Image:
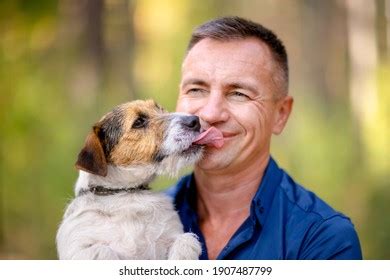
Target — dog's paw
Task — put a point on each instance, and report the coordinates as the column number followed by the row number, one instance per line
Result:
column 185, row 247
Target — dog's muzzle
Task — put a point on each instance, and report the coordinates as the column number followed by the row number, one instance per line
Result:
column 191, row 123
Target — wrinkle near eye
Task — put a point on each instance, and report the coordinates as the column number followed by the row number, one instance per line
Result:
column 263, row 98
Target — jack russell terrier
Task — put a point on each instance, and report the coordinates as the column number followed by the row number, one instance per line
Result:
column 114, row 214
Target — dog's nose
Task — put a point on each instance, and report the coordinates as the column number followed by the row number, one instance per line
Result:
column 191, row 122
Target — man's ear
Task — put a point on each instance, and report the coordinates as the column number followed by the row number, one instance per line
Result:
column 91, row 158
column 283, row 110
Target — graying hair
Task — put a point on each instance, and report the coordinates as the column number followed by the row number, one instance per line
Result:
column 230, row 28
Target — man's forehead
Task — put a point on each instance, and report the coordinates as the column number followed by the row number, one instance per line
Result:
column 241, row 54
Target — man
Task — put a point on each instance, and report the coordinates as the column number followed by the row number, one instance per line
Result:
column 238, row 201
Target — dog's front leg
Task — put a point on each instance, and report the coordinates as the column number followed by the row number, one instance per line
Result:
column 185, row 247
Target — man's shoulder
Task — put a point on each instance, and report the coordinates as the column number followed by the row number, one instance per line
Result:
column 305, row 201
column 318, row 224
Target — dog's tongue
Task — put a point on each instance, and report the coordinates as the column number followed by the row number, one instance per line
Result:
column 210, row 137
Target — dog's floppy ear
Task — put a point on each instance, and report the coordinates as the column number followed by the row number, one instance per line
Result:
column 91, row 158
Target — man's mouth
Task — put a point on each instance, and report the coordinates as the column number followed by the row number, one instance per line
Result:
column 211, row 137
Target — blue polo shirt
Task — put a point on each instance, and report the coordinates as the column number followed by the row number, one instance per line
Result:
column 286, row 221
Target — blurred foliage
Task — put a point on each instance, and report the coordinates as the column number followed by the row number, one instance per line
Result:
column 59, row 73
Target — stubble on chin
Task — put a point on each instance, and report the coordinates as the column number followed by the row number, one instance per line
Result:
column 216, row 159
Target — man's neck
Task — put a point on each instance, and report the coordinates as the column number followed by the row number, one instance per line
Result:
column 226, row 194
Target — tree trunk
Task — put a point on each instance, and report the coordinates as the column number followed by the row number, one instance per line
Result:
column 363, row 59
column 81, row 37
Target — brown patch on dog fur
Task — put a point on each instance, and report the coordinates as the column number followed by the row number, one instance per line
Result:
column 110, row 129
column 91, row 158
column 139, row 145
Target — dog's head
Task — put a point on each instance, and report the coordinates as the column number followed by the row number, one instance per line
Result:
column 140, row 133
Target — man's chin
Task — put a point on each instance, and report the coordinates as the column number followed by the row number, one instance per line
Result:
column 213, row 159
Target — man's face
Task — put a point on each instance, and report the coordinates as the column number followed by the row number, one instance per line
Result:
column 230, row 85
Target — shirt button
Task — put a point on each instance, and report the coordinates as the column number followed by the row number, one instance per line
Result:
column 261, row 209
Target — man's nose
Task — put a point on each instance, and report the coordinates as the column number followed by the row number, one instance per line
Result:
column 214, row 109
column 191, row 122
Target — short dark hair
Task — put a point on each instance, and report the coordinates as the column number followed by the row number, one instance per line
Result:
column 228, row 28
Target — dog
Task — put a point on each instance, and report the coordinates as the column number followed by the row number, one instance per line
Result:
column 114, row 214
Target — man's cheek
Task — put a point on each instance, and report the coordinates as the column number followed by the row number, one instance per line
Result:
column 181, row 105
column 185, row 105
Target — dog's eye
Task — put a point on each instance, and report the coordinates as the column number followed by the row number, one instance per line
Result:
column 140, row 122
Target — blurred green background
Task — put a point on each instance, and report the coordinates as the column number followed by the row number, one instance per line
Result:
column 64, row 63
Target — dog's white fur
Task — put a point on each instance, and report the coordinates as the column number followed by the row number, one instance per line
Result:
column 138, row 225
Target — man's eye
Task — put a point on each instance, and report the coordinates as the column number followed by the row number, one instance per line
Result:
column 195, row 91
column 236, row 95
column 140, row 122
